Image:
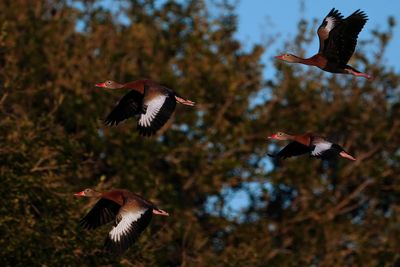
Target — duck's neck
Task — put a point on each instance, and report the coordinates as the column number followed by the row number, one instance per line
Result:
column 296, row 59
column 317, row 60
column 312, row 61
column 290, row 137
column 306, row 61
column 96, row 193
column 136, row 85
column 303, row 139
column 113, row 195
column 119, row 86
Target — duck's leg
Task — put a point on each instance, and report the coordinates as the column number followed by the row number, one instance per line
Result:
column 346, row 155
column 357, row 73
column 184, row 101
column 160, row 212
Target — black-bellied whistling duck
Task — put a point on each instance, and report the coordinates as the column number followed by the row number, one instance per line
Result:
column 337, row 42
column 153, row 102
column 315, row 145
column 131, row 213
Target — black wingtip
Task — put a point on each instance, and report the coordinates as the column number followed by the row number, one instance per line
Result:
column 83, row 224
column 115, row 249
column 110, row 123
column 335, row 13
column 360, row 13
column 146, row 131
column 333, row 10
column 112, row 120
column 271, row 155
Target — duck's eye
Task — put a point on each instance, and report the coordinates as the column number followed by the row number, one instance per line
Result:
column 108, row 82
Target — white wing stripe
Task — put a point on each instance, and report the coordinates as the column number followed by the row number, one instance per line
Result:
column 153, row 107
column 330, row 23
column 123, row 226
column 320, row 148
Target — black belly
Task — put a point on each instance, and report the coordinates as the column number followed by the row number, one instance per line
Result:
column 334, row 67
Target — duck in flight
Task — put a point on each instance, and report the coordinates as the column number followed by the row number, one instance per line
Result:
column 130, row 212
column 153, row 102
column 312, row 144
column 337, row 42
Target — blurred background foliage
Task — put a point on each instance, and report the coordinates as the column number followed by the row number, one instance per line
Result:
column 300, row 212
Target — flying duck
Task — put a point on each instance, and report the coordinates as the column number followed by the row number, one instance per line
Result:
column 130, row 212
column 315, row 145
column 153, row 102
column 337, row 42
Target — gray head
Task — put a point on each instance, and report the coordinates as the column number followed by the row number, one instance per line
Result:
column 109, row 85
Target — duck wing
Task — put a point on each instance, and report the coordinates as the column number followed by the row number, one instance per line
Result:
column 330, row 21
column 129, row 106
column 104, row 211
column 291, row 150
column 158, row 109
column 342, row 40
column 129, row 224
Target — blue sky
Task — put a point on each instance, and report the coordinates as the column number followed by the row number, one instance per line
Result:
column 261, row 18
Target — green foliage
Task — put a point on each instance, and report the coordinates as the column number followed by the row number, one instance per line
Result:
column 54, row 142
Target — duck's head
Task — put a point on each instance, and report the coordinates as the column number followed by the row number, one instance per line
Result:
column 288, row 58
column 109, row 85
column 88, row 192
column 279, row 136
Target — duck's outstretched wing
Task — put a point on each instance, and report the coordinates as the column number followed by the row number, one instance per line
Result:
column 103, row 211
column 128, row 227
column 328, row 24
column 291, row 150
column 158, row 111
column 129, row 106
column 342, row 40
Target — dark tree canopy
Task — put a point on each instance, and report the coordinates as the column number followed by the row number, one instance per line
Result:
column 303, row 212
